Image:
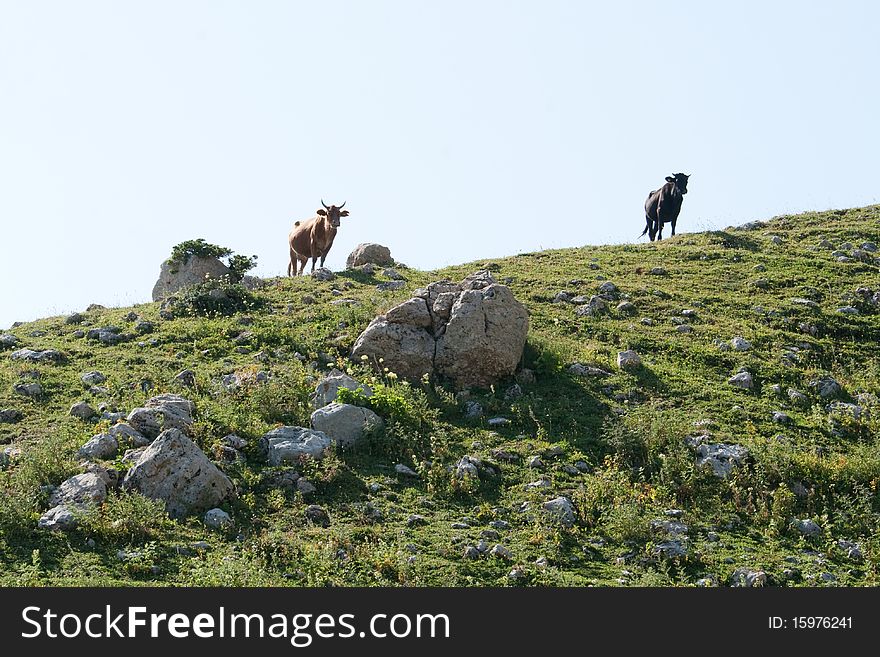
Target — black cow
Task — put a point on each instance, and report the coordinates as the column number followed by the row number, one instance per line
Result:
column 664, row 204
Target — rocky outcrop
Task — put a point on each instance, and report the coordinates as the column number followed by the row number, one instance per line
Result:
column 472, row 332
column 176, row 275
column 289, row 444
column 173, row 469
column 375, row 254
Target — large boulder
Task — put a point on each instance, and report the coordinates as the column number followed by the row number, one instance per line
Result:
column 344, row 423
column 369, row 253
column 175, row 275
column 472, row 332
column 173, row 469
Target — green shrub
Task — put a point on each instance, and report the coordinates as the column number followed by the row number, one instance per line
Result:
column 238, row 264
column 216, row 298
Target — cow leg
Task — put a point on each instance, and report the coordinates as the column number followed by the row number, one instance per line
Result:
column 673, row 227
column 659, row 230
column 652, row 229
column 302, row 265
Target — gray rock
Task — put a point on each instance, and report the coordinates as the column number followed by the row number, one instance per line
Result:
column 174, row 276
column 848, row 310
column 371, row 253
column 412, row 311
column 781, row 418
column 47, row 355
column 109, row 335
column 328, row 388
column 484, row 338
column 125, row 433
column 166, row 411
column 671, row 549
column 10, row 415
column 101, row 446
column 82, row 411
column 173, row 469
column 740, row 344
column 33, row 390
column 143, row 327
column 473, row 410
column 217, row 519
column 323, row 274
column 186, row 378
column 684, row 328
column 627, row 360
column 720, row 457
column 7, row 340
column 562, row 509
column 391, row 286
column 498, row 421
column 742, row 380
column 609, row 290
column 501, row 552
column 804, row 302
column 317, row 516
column 80, row 491
column 580, row 369
column 406, row 350
column 470, row 552
column 626, row 307
column 852, row 550
column 393, row 274
column 596, row 305
column 798, row 398
column 658, row 271
column 93, row 378
column 415, row 520
column 807, row 527
column 289, row 444
column 743, row 577
column 562, row 297
column 58, row 518
column 536, row 463
column 827, row 387
column 305, row 487
column 401, row 469
column 344, row 423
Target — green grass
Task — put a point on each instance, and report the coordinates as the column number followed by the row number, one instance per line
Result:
column 629, row 427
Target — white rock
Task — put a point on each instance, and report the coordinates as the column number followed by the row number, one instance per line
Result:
column 217, row 519
column 628, row 360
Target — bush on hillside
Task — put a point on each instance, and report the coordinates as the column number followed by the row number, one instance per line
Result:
column 238, row 264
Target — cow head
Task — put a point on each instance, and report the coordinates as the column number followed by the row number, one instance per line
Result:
column 333, row 213
column 681, row 182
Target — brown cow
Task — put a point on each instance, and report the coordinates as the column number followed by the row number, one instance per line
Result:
column 664, row 204
column 313, row 238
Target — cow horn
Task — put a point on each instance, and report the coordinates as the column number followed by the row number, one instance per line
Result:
column 324, row 204
column 343, row 205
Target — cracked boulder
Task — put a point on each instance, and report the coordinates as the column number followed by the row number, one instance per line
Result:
column 472, row 332
column 173, row 469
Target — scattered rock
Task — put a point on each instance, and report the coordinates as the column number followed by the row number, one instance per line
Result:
column 596, row 305
column 289, row 444
column 779, row 417
column 401, row 469
column 826, row 387
column 125, row 433
column 658, row 271
column 323, row 274
column 743, row 577
column 58, row 518
column 501, row 552
column 217, row 519
column 562, row 509
column 47, row 355
column 7, row 340
column 328, row 388
column 10, row 415
column 742, row 380
column 473, row 410
column 101, row 446
column 80, row 491
column 580, row 369
column 82, row 411
column 166, row 411
column 627, row 360
column 740, row 344
column 186, row 378
column 344, row 423
column 33, row 390
column 807, row 527
column 720, row 457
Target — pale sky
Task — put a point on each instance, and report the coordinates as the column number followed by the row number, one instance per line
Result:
column 455, row 131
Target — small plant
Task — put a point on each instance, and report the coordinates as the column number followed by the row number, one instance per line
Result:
column 216, row 298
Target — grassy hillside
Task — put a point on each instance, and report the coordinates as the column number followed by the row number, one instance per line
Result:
column 617, row 445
